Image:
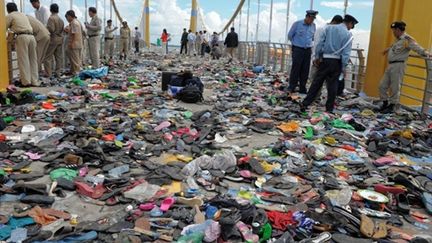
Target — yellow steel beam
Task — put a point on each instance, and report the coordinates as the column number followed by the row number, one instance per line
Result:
column 385, row 12
column 4, row 64
column 194, row 16
column 147, row 20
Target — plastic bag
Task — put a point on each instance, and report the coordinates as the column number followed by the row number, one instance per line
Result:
column 94, row 73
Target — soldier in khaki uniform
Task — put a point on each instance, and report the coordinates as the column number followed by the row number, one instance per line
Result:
column 397, row 55
column 109, row 40
column 75, row 42
column 55, row 50
column 93, row 33
column 20, row 26
column 42, row 36
column 125, row 35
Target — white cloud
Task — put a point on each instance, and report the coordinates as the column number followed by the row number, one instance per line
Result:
column 340, row 4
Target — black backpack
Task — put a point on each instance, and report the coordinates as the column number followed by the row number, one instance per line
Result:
column 194, row 81
column 190, row 94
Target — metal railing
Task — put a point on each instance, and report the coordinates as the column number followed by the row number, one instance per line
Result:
column 277, row 57
column 416, row 87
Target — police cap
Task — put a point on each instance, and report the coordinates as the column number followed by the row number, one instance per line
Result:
column 398, row 25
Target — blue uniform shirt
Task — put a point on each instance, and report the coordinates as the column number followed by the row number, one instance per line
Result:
column 331, row 42
column 302, row 34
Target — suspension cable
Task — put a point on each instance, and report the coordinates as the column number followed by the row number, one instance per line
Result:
column 239, row 7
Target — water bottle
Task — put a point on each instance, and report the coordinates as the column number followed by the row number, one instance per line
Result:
column 118, row 171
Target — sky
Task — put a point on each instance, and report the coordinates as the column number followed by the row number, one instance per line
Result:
column 174, row 15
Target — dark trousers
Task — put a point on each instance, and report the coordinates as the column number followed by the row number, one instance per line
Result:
column 136, row 43
column 183, row 47
column 329, row 71
column 301, row 61
column 203, row 49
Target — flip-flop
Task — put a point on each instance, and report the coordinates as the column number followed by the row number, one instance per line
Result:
column 199, row 217
column 147, row 206
column 167, row 203
column 321, row 238
column 156, row 212
column 191, row 202
column 427, row 201
column 246, row 232
column 344, row 238
column 371, row 229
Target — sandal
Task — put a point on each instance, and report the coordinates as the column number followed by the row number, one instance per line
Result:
column 246, row 233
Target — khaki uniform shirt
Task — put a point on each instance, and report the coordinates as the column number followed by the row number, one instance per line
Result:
column 125, row 33
column 55, row 27
column 75, row 28
column 400, row 49
column 94, row 27
column 18, row 23
column 109, row 32
column 39, row 30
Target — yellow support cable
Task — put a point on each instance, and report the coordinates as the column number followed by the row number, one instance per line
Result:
column 239, row 8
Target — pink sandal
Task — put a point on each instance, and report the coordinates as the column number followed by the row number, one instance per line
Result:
column 167, row 203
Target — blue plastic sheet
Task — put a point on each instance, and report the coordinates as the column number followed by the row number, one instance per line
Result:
column 94, row 73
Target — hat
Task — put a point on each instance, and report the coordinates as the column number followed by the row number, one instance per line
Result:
column 311, row 13
column 350, row 19
column 398, row 25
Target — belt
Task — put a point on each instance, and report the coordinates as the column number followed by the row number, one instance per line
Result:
column 90, row 36
column 304, row 48
column 24, row 33
column 331, row 56
column 109, row 38
column 396, row 62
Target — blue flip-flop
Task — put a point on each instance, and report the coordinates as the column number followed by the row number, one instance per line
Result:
column 427, row 201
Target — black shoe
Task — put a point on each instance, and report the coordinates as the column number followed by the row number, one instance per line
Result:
column 388, row 109
column 302, row 107
column 384, row 106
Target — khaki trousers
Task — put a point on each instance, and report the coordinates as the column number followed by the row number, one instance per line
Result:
column 124, row 46
column 191, row 48
column 27, row 59
column 230, row 52
column 109, row 48
column 42, row 48
column 75, row 56
column 392, row 81
column 94, row 48
column 55, row 52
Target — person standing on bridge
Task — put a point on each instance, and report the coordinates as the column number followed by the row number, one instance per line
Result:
column 75, row 42
column 55, row 50
column 165, row 38
column 109, row 40
column 42, row 36
column 231, row 43
column 198, row 41
column 93, row 32
column 19, row 26
column 397, row 56
column 184, row 42
column 191, row 43
column 41, row 12
column 301, row 36
column 137, row 38
column 333, row 51
column 125, row 36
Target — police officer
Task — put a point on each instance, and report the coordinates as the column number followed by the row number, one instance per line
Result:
column 93, row 32
column 42, row 36
column 109, row 39
column 333, row 50
column 55, row 50
column 397, row 55
column 301, row 36
column 19, row 26
column 125, row 36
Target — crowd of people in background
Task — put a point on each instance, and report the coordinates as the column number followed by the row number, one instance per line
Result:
column 39, row 41
column 201, row 43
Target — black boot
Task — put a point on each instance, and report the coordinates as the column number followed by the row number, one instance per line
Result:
column 384, row 106
column 389, row 109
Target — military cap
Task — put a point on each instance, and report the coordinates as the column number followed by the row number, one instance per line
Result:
column 311, row 13
column 350, row 19
column 398, row 25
